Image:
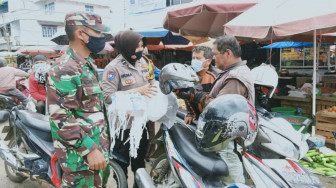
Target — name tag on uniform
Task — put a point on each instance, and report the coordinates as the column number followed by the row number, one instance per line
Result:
column 126, row 75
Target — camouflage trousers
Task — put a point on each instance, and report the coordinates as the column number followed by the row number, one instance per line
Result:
column 86, row 179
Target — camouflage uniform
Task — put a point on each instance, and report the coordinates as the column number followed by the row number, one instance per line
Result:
column 77, row 118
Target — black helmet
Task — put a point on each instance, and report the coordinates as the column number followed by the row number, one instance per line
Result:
column 176, row 76
column 224, row 119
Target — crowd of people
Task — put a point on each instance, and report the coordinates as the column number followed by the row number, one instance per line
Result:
column 76, row 98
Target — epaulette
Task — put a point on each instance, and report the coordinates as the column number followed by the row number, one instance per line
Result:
column 124, row 62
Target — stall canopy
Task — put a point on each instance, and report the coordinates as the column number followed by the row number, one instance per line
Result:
column 205, row 17
column 281, row 20
column 161, row 46
column 299, row 20
column 37, row 50
column 290, row 44
column 154, row 37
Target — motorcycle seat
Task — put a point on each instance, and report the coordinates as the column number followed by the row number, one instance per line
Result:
column 206, row 163
column 35, row 120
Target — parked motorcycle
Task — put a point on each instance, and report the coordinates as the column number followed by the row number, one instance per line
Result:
column 270, row 161
column 183, row 165
column 30, row 151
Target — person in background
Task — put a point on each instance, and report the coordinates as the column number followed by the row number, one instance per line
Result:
column 149, row 59
column 37, row 81
column 8, row 82
column 235, row 78
column 201, row 64
column 150, row 124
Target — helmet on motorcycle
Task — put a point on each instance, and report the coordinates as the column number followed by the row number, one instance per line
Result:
column 224, row 119
column 266, row 76
column 176, row 76
column 3, row 62
column 41, row 70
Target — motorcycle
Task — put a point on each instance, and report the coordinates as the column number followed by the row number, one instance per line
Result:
column 183, row 165
column 30, row 151
column 271, row 161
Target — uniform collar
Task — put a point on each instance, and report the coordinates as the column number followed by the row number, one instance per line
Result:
column 73, row 54
column 82, row 61
column 124, row 62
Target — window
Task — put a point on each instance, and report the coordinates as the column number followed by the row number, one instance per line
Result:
column 176, row 2
column 49, row 8
column 4, row 7
column 48, row 31
column 2, row 30
column 168, row 3
column 89, row 8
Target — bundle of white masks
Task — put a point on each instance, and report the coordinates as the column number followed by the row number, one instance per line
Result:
column 138, row 109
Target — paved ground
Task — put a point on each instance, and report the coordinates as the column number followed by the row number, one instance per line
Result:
column 5, row 182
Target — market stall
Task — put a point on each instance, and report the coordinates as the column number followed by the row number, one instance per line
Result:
column 295, row 67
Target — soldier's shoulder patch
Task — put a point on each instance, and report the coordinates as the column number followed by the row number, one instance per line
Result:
column 111, row 75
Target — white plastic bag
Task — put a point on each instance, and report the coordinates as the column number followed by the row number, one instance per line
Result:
column 169, row 118
column 157, row 105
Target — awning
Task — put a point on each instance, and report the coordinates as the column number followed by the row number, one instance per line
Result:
column 291, row 44
column 154, row 37
column 159, row 47
column 159, row 33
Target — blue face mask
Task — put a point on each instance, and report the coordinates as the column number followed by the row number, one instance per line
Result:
column 95, row 44
column 196, row 65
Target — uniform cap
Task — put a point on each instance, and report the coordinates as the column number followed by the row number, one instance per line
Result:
column 92, row 21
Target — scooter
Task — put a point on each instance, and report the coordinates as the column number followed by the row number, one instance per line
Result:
column 183, row 165
column 30, row 151
column 271, row 161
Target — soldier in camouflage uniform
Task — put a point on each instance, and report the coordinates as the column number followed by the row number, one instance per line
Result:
column 75, row 103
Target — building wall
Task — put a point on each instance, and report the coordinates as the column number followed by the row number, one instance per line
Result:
column 124, row 18
column 27, row 18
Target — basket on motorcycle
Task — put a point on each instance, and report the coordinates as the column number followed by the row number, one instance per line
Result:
column 284, row 110
column 296, row 121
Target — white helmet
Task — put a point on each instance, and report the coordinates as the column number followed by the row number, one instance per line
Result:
column 265, row 75
column 177, row 76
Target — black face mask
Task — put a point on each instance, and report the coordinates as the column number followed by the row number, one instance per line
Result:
column 95, row 44
column 138, row 55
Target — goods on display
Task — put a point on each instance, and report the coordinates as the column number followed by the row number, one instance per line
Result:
column 321, row 163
